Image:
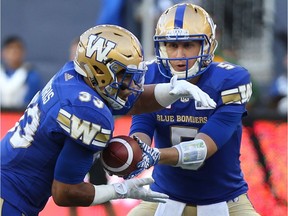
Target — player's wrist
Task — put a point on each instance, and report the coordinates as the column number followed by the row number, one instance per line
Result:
column 103, row 193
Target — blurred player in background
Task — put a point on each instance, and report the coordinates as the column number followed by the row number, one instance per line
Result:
column 19, row 82
column 201, row 173
column 278, row 91
column 52, row 147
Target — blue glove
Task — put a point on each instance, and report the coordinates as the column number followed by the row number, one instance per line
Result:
column 150, row 157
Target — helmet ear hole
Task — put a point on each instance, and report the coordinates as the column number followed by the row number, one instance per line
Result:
column 98, row 70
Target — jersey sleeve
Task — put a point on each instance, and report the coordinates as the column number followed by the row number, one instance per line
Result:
column 143, row 123
column 89, row 123
column 221, row 126
column 236, row 89
column 73, row 163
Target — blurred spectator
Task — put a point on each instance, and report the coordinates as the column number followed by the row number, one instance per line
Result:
column 111, row 13
column 96, row 175
column 122, row 13
column 278, row 91
column 19, row 82
column 73, row 48
column 279, row 36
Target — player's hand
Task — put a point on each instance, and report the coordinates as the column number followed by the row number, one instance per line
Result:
column 183, row 88
column 134, row 188
column 150, row 157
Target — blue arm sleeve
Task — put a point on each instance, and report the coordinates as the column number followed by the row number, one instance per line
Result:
column 221, row 126
column 73, row 163
column 144, row 123
column 110, row 13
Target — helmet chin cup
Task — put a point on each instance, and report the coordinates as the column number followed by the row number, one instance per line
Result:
column 115, row 104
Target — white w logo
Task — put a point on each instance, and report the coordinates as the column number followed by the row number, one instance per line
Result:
column 84, row 130
column 96, row 44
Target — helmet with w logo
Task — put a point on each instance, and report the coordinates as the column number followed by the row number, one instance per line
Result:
column 104, row 52
column 185, row 22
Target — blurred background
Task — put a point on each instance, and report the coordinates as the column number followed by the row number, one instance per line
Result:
column 252, row 33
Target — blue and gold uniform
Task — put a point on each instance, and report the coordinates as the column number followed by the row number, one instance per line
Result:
column 52, row 147
column 207, row 178
column 64, row 117
column 220, row 178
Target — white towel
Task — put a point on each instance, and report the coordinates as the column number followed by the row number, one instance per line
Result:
column 13, row 89
column 217, row 209
column 170, row 208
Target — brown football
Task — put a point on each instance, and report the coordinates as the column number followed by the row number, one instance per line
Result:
column 121, row 156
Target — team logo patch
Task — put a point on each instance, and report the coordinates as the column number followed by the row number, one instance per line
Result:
column 184, row 99
column 68, row 76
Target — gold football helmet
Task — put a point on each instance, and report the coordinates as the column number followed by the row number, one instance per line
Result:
column 107, row 55
column 185, row 22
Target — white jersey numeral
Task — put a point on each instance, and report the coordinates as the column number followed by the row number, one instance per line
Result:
column 178, row 133
column 225, row 65
column 23, row 137
column 86, row 97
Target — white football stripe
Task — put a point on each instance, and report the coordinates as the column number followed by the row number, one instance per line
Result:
column 129, row 159
column 65, row 113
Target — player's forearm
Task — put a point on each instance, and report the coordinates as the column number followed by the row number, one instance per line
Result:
column 146, row 102
column 168, row 156
column 210, row 144
column 86, row 194
column 73, row 195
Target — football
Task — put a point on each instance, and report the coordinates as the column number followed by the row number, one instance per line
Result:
column 121, row 156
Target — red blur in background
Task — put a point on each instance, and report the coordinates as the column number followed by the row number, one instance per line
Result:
column 268, row 191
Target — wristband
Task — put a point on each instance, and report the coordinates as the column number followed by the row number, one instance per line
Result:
column 162, row 96
column 104, row 194
column 191, row 154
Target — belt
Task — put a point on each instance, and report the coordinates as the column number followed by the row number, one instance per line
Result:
column 236, row 199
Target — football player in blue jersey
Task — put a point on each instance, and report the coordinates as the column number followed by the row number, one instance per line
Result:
column 51, row 148
column 197, row 148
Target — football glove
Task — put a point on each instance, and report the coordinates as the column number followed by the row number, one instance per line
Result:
column 134, row 188
column 168, row 93
column 150, row 157
column 183, row 88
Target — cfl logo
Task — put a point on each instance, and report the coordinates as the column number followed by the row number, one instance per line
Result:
column 184, row 99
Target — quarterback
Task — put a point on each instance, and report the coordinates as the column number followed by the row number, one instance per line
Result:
column 197, row 147
column 51, row 148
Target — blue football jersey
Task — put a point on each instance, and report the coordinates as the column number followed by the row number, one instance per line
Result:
column 61, row 130
column 220, row 178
